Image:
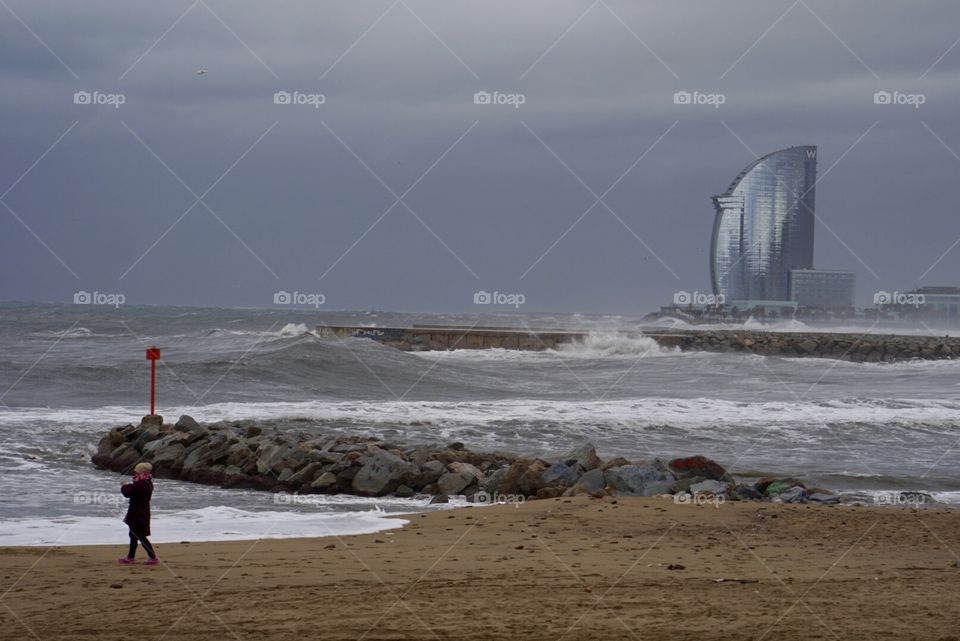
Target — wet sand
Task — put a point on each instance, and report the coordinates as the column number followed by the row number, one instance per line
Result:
column 554, row 569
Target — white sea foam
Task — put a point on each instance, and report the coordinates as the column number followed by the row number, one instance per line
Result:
column 682, row 412
column 216, row 523
column 287, row 331
column 75, row 332
column 606, row 345
column 595, row 345
column 293, row 329
column 793, row 325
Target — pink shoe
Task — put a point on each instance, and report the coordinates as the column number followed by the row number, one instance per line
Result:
column 126, row 561
column 153, row 561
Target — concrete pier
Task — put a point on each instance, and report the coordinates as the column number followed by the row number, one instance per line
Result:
column 871, row 348
column 423, row 337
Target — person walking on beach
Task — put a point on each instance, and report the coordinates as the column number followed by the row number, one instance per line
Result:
column 137, row 519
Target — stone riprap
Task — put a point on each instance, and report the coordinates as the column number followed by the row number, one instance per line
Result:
column 858, row 348
column 246, row 456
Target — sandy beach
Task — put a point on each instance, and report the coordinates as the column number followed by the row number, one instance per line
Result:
column 581, row 568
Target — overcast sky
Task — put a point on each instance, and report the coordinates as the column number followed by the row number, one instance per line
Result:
column 200, row 190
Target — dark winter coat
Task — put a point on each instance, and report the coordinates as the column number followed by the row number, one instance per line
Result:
column 138, row 514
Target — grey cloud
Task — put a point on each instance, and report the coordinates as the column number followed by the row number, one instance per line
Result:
column 499, row 199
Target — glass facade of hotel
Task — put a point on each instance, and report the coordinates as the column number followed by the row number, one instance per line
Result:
column 823, row 289
column 764, row 226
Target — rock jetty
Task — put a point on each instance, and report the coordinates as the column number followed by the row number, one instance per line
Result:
column 846, row 346
column 857, row 348
column 245, row 456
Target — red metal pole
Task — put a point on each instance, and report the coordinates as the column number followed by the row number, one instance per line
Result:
column 153, row 387
column 153, row 355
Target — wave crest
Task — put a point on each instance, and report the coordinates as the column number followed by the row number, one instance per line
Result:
column 607, row 345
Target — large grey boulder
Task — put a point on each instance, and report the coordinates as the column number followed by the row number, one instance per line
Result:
column 105, row 446
column 453, row 483
column 795, row 494
column 327, row 458
column 827, row 499
column 240, row 455
column 151, row 448
column 233, row 476
column 639, row 480
column 522, row 477
column 271, row 456
column 433, row 468
column 306, row 474
column 188, row 424
column 592, row 482
column 462, row 467
column 124, row 458
column 195, row 459
column 560, row 474
column 165, row 457
column 151, row 420
column 220, row 447
column 381, row 473
column 491, row 484
column 710, row 487
column 585, row 456
column 146, row 436
column 745, row 492
column 324, row 482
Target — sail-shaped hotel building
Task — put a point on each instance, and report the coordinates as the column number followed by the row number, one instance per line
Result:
column 764, row 229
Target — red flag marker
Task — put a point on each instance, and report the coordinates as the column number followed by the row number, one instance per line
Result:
column 153, row 355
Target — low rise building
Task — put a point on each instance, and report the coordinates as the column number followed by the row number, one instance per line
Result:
column 823, row 288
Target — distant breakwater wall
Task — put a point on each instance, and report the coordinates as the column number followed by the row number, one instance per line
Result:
column 858, row 348
column 246, row 456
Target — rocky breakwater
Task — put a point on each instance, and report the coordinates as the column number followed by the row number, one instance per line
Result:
column 246, row 456
column 857, row 348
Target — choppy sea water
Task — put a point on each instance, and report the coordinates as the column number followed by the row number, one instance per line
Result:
column 68, row 373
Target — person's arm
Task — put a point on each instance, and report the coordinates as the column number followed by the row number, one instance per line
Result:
column 130, row 490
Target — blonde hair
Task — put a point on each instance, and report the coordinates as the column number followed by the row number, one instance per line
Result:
column 143, row 468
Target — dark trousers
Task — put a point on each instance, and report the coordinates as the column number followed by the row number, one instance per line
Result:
column 148, row 548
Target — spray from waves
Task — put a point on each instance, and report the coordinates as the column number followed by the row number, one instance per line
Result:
column 287, row 331
column 595, row 345
column 789, row 325
column 75, row 332
column 693, row 413
column 613, row 345
column 293, row 329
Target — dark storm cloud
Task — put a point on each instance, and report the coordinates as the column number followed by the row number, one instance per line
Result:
column 490, row 214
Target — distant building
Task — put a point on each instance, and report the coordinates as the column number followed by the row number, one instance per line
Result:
column 931, row 304
column 823, row 289
column 764, row 227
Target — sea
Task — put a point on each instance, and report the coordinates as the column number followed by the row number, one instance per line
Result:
column 68, row 373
